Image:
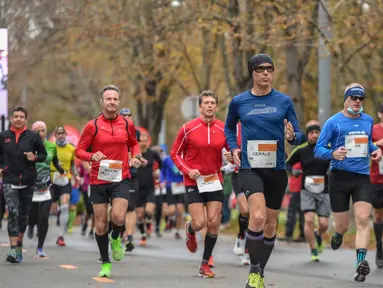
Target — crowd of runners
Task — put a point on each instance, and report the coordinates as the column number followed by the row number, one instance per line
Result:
column 126, row 184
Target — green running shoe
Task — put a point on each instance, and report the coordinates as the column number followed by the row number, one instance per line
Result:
column 106, row 270
column 117, row 249
column 314, row 258
column 255, row 280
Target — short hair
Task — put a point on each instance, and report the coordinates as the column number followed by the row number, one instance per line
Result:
column 20, row 109
column 353, row 85
column 109, row 87
column 60, row 127
column 207, row 93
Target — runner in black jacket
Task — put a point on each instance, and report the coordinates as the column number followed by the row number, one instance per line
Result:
column 20, row 148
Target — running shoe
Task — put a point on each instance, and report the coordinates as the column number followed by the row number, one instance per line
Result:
column 106, row 270
column 117, row 250
column 379, row 258
column 245, row 259
column 40, row 253
column 19, row 254
column 191, row 241
column 255, row 280
column 211, row 262
column 205, row 271
column 336, row 242
column 129, row 246
column 11, row 257
column 362, row 270
column 60, row 241
column 239, row 246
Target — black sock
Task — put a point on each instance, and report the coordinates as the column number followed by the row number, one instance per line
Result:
column 110, row 226
column 190, row 229
column 360, row 255
column 141, row 227
column 318, row 238
column 103, row 247
column 255, row 245
column 19, row 244
column 243, row 223
column 378, row 229
column 210, row 241
column 13, row 247
column 116, row 232
column 158, row 219
column 130, row 238
column 268, row 245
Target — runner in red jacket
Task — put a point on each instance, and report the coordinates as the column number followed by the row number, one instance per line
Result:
column 197, row 153
column 105, row 142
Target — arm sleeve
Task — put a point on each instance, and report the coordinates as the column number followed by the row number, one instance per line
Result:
column 231, row 126
column 56, row 163
column 371, row 146
column 322, row 150
column 85, row 143
column 41, row 153
column 292, row 117
column 179, row 148
column 158, row 159
column 294, row 157
column 132, row 139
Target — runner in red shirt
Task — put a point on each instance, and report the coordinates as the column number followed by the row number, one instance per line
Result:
column 376, row 176
column 105, row 141
column 197, row 153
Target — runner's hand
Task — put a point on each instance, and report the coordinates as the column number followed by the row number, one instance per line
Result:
column 98, row 156
column 144, row 162
column 30, row 156
column 134, row 162
column 376, row 155
column 339, row 154
column 229, row 157
column 237, row 157
column 379, row 142
column 194, row 174
column 289, row 130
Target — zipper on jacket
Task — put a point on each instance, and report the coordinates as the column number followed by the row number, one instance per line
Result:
column 111, row 124
column 208, row 133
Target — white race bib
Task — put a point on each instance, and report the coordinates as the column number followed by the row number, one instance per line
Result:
column 42, row 195
column 380, row 164
column 315, row 184
column 262, row 153
column 178, row 188
column 110, row 170
column 60, row 179
column 18, row 187
column 158, row 191
column 356, row 146
column 209, row 183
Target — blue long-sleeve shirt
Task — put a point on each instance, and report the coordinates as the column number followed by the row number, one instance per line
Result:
column 357, row 132
column 262, row 118
column 170, row 172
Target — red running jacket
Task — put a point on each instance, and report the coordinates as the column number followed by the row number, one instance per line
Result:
column 112, row 139
column 199, row 146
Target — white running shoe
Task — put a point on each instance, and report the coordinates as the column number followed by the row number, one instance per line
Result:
column 239, row 246
column 245, row 259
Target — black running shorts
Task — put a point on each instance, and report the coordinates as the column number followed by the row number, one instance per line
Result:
column 272, row 183
column 105, row 193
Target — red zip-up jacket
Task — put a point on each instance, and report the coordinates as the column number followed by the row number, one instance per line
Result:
column 112, row 140
column 199, row 146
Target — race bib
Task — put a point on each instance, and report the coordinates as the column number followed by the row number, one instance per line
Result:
column 110, row 170
column 88, row 191
column 60, row 179
column 178, row 188
column 262, row 153
column 18, row 187
column 158, row 191
column 380, row 164
column 210, row 183
column 41, row 195
column 314, row 184
column 356, row 146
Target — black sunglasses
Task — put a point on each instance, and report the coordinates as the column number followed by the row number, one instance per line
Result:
column 260, row 69
column 354, row 98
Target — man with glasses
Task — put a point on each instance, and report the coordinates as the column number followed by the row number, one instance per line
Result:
column 267, row 117
column 349, row 134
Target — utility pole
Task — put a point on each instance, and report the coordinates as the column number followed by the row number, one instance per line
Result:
column 324, row 65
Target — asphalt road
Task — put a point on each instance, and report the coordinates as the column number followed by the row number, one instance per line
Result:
column 165, row 262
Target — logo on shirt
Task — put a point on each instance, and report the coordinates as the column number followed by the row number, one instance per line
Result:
column 265, row 110
column 7, row 140
column 190, row 190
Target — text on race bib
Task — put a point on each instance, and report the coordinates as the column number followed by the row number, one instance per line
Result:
column 209, row 183
column 262, row 153
column 110, row 170
column 356, row 146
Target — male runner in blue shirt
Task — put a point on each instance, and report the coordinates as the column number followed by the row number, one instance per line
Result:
column 267, row 116
column 349, row 134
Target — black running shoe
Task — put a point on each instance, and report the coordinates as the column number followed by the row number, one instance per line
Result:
column 129, row 246
column 336, row 242
column 362, row 271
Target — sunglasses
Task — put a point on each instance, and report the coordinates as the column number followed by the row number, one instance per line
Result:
column 354, row 98
column 260, row 69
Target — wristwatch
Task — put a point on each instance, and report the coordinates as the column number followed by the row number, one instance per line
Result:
column 138, row 157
